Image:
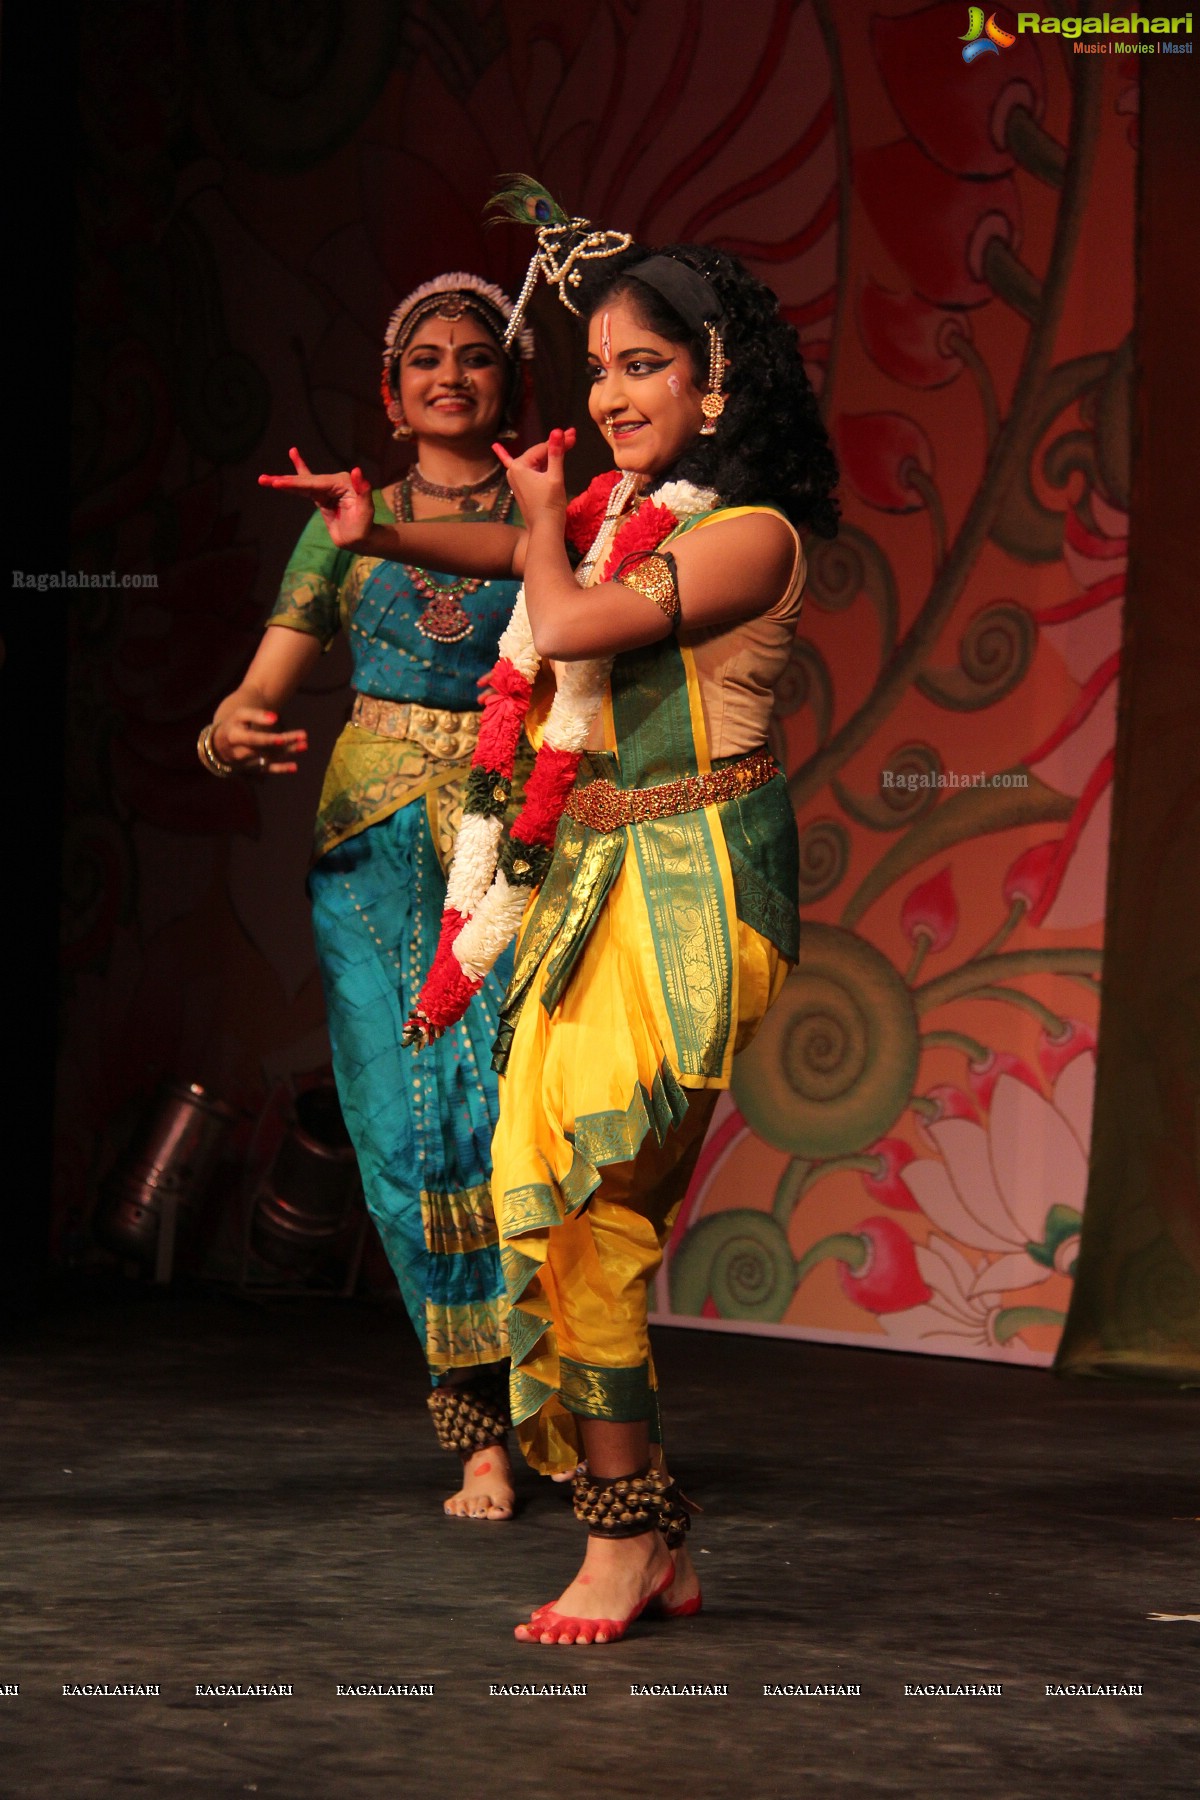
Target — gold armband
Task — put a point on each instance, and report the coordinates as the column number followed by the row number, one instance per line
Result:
column 656, row 577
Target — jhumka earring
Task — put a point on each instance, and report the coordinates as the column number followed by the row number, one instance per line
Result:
column 713, row 403
column 395, row 412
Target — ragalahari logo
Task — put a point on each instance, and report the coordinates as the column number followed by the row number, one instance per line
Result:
column 980, row 39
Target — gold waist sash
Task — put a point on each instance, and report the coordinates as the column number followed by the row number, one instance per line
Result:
column 603, row 806
column 450, row 736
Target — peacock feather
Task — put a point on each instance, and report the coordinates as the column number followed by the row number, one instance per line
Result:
column 527, row 201
column 562, row 243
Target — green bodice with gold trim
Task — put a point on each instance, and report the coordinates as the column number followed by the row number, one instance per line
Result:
column 656, row 715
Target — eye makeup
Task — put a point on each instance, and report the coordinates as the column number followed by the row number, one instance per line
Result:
column 478, row 349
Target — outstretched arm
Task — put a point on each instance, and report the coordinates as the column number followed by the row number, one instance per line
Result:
column 486, row 551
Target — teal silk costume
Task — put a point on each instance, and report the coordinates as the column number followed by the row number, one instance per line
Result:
column 422, row 1129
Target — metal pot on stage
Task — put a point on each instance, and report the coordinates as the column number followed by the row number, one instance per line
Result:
column 165, row 1169
column 308, row 1195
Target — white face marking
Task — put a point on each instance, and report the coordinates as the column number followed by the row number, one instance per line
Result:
column 605, row 341
column 673, row 384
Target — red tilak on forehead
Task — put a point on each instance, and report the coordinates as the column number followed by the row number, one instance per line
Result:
column 605, row 341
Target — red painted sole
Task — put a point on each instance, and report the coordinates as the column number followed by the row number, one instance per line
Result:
column 544, row 1618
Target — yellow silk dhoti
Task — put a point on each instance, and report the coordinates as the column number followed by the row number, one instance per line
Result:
column 596, row 1144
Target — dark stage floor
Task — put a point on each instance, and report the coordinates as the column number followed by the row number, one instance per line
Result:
column 202, row 1490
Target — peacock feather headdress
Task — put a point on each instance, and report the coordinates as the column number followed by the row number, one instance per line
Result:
column 562, row 242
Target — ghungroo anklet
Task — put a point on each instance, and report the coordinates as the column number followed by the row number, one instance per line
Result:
column 471, row 1415
column 674, row 1519
column 618, row 1506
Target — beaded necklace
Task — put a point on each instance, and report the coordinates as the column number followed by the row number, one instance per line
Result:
column 445, row 620
column 466, row 494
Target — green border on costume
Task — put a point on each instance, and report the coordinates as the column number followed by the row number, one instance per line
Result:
column 677, row 857
column 590, row 1392
column 585, row 866
column 763, row 822
column 693, row 942
column 580, row 1181
column 519, row 1270
column 531, row 1208
column 527, row 1395
column 616, row 1137
column 524, row 1331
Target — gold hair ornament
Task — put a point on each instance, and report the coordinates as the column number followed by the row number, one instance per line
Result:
column 562, row 243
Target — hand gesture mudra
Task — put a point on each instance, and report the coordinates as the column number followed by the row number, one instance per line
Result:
column 343, row 500
column 537, row 476
column 245, row 740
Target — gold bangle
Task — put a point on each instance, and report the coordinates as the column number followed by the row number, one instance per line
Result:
column 208, row 757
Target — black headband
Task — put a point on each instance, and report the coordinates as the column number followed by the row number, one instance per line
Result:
column 692, row 296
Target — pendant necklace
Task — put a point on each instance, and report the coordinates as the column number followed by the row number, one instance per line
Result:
column 445, row 620
column 466, row 495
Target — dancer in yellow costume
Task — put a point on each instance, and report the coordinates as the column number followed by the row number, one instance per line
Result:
column 666, row 919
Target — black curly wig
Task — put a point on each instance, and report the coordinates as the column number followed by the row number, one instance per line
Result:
column 770, row 446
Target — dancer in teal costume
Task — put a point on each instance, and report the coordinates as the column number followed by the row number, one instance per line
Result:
column 390, row 804
column 422, row 1132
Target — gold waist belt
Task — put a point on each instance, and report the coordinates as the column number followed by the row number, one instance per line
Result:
column 448, row 735
column 603, row 806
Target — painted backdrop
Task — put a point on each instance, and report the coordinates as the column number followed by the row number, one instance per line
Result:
column 914, row 1122
column 902, row 1160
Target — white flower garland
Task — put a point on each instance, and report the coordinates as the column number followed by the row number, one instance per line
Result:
column 477, row 891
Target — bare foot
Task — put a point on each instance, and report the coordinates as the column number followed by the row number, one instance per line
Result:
column 487, row 1490
column 619, row 1577
column 683, row 1596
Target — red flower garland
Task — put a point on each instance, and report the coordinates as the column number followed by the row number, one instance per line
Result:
column 506, row 696
column 448, row 989
column 546, row 791
column 642, row 534
column 585, row 514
